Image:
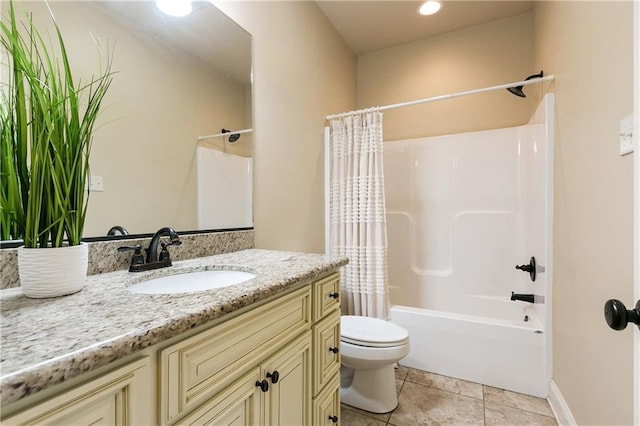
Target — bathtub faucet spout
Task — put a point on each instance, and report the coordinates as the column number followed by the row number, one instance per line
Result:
column 524, row 297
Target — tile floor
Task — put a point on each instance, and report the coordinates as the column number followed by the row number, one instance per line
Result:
column 430, row 399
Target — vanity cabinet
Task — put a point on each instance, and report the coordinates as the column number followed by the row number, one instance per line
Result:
column 297, row 381
column 275, row 364
column 120, row 397
column 197, row 368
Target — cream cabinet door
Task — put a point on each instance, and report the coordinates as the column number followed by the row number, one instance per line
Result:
column 326, row 406
column 326, row 347
column 288, row 374
column 237, row 405
column 116, row 398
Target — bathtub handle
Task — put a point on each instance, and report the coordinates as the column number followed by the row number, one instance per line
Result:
column 334, row 350
column 530, row 268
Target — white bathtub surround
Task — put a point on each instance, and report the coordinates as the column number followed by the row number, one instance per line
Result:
column 463, row 212
column 357, row 212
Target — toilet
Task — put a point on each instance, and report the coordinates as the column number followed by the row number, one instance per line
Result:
column 369, row 349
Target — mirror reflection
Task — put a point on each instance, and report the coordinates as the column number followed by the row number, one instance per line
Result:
column 177, row 79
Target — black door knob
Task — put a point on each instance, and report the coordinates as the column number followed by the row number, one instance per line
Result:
column 263, row 385
column 334, row 350
column 275, row 376
column 617, row 315
column 334, row 295
column 334, row 419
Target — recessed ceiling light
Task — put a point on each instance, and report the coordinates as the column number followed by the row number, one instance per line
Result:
column 174, row 7
column 430, row 7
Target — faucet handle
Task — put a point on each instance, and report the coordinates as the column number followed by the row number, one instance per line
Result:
column 531, row 268
column 137, row 258
column 164, row 253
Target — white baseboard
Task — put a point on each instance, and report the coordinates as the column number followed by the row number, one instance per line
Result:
column 559, row 406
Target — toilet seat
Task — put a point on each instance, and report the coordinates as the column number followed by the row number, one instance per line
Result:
column 371, row 332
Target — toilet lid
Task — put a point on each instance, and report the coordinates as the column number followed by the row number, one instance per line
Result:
column 372, row 332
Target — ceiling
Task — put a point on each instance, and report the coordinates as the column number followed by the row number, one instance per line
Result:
column 369, row 25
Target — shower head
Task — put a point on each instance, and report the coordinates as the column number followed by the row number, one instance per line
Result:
column 233, row 137
column 517, row 90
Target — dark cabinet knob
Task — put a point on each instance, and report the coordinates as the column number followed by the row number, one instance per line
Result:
column 334, row 419
column 275, row 376
column 617, row 315
column 334, row 295
column 334, row 350
column 263, row 385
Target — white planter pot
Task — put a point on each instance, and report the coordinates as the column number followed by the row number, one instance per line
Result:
column 52, row 272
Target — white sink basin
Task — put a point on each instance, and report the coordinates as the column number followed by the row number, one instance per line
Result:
column 191, row 282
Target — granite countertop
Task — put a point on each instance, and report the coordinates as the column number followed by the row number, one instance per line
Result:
column 47, row 341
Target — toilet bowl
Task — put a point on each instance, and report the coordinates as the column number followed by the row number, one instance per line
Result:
column 369, row 349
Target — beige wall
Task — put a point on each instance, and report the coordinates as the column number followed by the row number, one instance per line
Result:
column 303, row 71
column 588, row 46
column 485, row 55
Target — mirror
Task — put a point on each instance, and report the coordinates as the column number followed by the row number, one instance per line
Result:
column 176, row 79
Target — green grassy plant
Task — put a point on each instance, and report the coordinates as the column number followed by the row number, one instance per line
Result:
column 47, row 125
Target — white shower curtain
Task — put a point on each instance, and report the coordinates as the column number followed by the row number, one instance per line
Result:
column 357, row 212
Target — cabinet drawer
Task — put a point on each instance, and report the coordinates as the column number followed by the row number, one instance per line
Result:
column 120, row 397
column 326, row 406
column 326, row 344
column 193, row 370
column 326, row 296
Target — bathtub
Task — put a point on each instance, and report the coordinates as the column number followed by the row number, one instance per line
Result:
column 462, row 211
column 504, row 351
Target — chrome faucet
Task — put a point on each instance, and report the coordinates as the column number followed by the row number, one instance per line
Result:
column 152, row 251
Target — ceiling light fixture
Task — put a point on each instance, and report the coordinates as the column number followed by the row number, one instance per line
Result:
column 430, row 7
column 174, row 7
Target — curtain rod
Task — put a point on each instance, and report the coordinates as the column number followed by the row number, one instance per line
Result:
column 229, row 133
column 449, row 96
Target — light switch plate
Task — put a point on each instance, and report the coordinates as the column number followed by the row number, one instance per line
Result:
column 626, row 135
column 96, row 184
